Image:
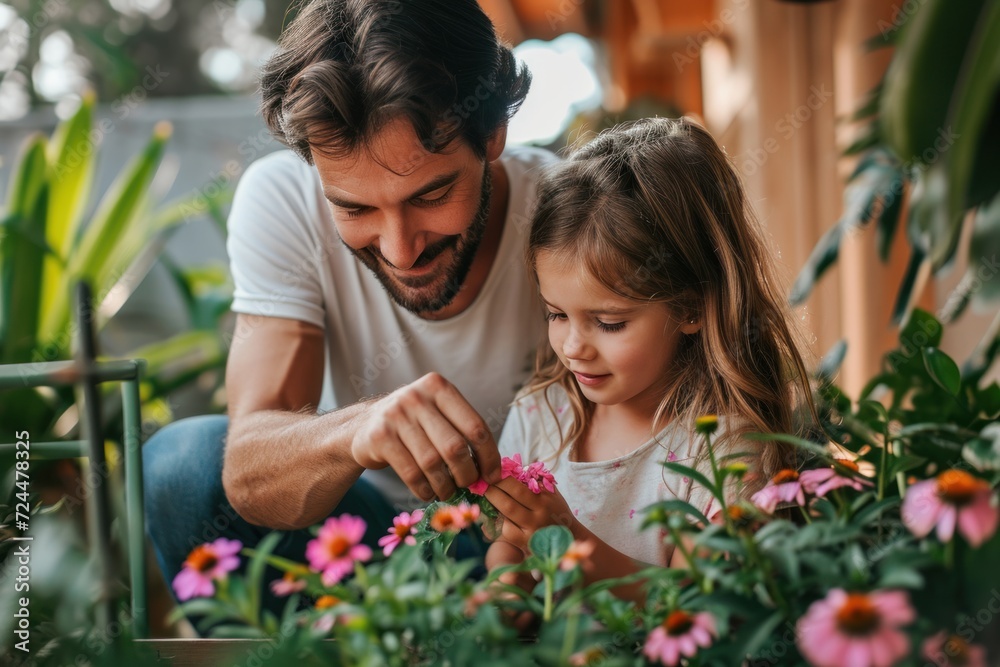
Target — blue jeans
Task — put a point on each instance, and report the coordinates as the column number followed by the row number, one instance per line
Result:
column 186, row 504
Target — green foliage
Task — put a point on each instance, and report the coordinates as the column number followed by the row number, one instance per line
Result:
column 46, row 248
column 932, row 140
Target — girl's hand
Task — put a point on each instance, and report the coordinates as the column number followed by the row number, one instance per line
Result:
column 525, row 512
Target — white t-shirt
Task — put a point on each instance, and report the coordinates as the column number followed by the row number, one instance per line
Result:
column 288, row 261
column 608, row 496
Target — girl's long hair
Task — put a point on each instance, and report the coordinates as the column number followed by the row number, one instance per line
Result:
column 655, row 212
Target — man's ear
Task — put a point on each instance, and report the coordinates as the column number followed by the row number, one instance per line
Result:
column 496, row 143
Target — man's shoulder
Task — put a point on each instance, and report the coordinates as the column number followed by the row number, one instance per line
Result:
column 282, row 168
column 527, row 158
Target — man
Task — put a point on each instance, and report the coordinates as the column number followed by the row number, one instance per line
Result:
column 379, row 271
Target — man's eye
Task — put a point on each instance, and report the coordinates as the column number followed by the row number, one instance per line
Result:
column 552, row 317
column 433, row 201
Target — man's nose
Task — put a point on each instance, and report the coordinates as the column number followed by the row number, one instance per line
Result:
column 400, row 245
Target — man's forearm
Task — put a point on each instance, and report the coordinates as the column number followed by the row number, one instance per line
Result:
column 289, row 470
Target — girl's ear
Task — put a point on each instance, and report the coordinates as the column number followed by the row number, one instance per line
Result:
column 691, row 326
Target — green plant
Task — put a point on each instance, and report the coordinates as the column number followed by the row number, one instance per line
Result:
column 755, row 576
column 929, row 154
column 45, row 248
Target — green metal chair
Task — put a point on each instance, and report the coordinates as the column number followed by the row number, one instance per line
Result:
column 87, row 374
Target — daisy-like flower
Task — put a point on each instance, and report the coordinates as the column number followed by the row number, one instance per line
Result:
column 446, row 520
column 288, row 584
column 403, row 529
column 337, row 547
column 327, row 601
column 706, row 424
column 823, row 480
column 479, row 486
column 510, row 466
column 785, row 487
column 576, row 553
column 953, row 497
column 466, row 515
column 536, row 477
column 680, row 635
column 590, row 656
column 848, row 629
column 205, row 564
column 952, row 651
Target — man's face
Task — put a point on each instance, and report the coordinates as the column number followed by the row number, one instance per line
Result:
column 414, row 218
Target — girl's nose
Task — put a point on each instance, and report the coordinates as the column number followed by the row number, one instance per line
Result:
column 575, row 346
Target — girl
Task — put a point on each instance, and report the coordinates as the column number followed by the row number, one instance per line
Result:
column 661, row 307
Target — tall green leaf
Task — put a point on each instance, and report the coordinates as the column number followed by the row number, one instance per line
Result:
column 71, row 172
column 22, row 251
column 116, row 210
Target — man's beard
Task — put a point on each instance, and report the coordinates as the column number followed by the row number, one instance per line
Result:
column 430, row 293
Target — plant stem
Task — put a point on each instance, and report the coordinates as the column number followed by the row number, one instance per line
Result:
column 679, row 544
column 805, row 514
column 569, row 639
column 716, row 479
column 882, row 470
column 549, row 588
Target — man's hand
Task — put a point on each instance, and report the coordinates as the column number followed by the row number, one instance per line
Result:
column 525, row 512
column 431, row 437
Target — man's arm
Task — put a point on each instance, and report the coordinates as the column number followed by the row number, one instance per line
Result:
column 286, row 467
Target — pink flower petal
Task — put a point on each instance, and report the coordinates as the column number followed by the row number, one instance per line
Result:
column 191, row 584
column 977, row 521
column 946, row 523
column 479, row 486
column 921, row 507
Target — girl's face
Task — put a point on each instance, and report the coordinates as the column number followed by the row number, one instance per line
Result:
column 619, row 350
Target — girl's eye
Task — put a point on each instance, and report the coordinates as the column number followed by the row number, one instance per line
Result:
column 610, row 327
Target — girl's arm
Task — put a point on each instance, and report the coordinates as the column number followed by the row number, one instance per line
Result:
column 606, row 562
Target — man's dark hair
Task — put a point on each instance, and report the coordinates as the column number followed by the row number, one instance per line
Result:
column 345, row 68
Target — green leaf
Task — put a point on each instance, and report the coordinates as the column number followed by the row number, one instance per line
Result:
column 550, row 543
column 830, row 364
column 974, row 110
column 255, row 571
column 754, row 634
column 920, row 330
column 696, row 476
column 674, row 506
column 920, row 80
column 101, row 239
column 982, row 281
column 801, row 443
column 943, row 370
column 983, row 453
column 902, row 577
column 906, row 288
column 823, row 256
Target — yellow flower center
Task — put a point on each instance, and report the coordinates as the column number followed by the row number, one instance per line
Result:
column 848, row 463
column 338, row 546
column 443, row 520
column 202, row 559
column 678, row 623
column 957, row 650
column 786, row 475
column 858, row 615
column 327, row 601
column 959, row 487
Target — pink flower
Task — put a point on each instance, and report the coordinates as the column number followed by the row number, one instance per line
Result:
column 822, row 480
column 206, row 563
column 784, row 487
column 403, row 529
column 952, row 651
column 511, row 467
column 856, row 629
column 536, row 477
column 953, row 497
column 680, row 635
column 337, row 547
column 479, row 487
column 288, row 584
